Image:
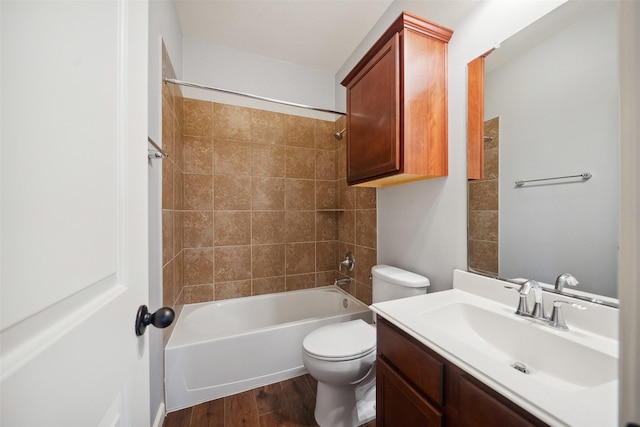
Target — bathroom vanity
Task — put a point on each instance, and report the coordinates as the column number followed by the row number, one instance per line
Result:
column 417, row 387
column 462, row 357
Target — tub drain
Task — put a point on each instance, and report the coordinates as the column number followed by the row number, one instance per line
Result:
column 518, row 366
column 345, row 303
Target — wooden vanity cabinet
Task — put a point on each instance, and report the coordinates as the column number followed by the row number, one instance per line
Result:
column 417, row 387
column 397, row 106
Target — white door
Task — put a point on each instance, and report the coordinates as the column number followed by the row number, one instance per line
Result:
column 73, row 213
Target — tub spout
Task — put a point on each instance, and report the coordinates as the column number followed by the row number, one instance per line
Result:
column 345, row 281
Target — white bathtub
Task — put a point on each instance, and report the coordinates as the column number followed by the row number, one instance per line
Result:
column 221, row 348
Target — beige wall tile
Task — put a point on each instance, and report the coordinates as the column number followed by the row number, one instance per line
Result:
column 483, row 195
column 326, row 255
column 231, row 157
column 168, row 129
column 168, row 297
column 347, row 195
column 178, row 190
column 483, row 225
column 267, row 260
column 198, row 155
column 167, row 185
column 347, row 227
column 326, row 195
column 268, row 227
column 325, row 278
column 197, row 118
column 300, row 226
column 300, row 163
column 178, row 228
column 232, row 122
column 199, row 293
column 365, row 259
column 268, row 285
column 325, row 165
column 300, row 281
column 233, row 263
column 231, row 228
column 197, row 229
column 299, row 131
column 167, row 236
column 267, row 160
column 299, row 194
column 241, row 288
column 365, row 198
column 483, row 256
column 326, row 225
column 267, row 127
column 300, row 258
column 324, row 135
column 366, row 228
column 198, row 266
column 267, row 193
column 197, row 192
column 178, row 275
column 232, row 192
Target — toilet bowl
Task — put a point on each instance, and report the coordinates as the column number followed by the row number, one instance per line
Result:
column 341, row 356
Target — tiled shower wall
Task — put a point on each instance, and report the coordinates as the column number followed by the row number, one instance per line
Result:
column 483, row 207
column 257, row 203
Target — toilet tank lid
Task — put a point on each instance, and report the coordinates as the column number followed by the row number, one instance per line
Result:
column 399, row 276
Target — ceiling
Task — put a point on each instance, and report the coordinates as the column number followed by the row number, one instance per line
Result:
column 320, row 34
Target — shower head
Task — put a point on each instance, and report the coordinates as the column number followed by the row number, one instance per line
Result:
column 338, row 135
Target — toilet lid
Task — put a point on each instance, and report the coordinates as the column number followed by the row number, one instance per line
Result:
column 346, row 340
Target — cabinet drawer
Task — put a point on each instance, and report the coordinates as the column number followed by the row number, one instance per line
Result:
column 418, row 367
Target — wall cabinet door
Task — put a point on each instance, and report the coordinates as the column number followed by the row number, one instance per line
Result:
column 373, row 103
column 397, row 106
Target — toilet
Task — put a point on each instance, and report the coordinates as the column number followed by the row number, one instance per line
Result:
column 341, row 356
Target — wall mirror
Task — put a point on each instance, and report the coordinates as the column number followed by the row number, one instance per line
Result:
column 550, row 111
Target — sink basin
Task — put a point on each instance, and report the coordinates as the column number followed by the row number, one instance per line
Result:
column 548, row 356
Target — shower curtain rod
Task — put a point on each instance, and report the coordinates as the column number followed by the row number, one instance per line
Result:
column 249, row 95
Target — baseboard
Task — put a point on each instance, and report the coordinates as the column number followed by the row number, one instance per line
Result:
column 157, row 422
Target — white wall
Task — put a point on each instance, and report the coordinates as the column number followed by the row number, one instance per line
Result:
column 231, row 69
column 430, row 237
column 163, row 25
column 558, row 109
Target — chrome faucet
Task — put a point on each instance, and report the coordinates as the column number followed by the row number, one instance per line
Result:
column 344, row 281
column 523, row 305
column 349, row 262
column 557, row 318
column 565, row 279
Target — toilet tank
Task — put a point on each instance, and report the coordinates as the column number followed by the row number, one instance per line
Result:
column 393, row 283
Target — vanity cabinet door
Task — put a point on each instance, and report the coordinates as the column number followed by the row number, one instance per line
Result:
column 478, row 408
column 398, row 404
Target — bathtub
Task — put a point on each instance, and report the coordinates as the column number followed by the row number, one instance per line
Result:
column 225, row 347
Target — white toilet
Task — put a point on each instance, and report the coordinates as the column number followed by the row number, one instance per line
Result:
column 341, row 356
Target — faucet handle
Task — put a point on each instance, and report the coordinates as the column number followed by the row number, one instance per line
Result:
column 556, row 320
column 523, row 305
column 349, row 262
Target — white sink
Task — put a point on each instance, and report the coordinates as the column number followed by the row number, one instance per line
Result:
column 547, row 355
column 571, row 376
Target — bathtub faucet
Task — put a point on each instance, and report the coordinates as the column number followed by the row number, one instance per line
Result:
column 345, row 281
column 349, row 262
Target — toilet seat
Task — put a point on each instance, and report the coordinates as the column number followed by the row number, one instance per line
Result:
column 341, row 341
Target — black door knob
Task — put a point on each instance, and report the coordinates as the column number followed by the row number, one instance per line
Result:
column 162, row 318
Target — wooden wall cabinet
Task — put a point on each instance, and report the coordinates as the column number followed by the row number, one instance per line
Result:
column 417, row 387
column 397, row 106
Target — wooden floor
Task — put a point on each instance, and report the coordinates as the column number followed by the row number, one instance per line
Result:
column 288, row 403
